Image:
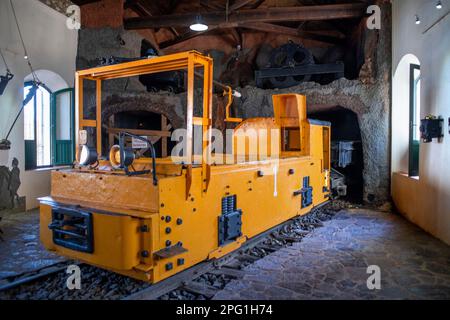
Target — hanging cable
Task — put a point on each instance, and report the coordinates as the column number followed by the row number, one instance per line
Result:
column 26, row 56
column 5, row 144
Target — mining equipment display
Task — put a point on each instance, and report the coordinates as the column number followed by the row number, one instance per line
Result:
column 150, row 218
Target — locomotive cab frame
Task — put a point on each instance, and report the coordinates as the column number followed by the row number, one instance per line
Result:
column 151, row 218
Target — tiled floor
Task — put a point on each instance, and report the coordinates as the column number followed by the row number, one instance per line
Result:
column 331, row 263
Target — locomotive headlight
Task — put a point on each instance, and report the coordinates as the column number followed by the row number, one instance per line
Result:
column 115, row 157
column 88, row 156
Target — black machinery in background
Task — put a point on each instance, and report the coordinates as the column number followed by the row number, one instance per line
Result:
column 291, row 64
column 170, row 81
column 345, row 159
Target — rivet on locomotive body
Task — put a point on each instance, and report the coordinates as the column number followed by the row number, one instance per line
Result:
column 168, row 243
column 168, row 230
column 169, row 266
column 179, row 221
column 180, row 261
column 291, row 171
column 168, row 219
column 144, row 253
column 162, row 205
column 144, row 228
column 260, row 173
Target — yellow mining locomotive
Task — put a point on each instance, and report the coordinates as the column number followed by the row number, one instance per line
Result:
column 150, row 218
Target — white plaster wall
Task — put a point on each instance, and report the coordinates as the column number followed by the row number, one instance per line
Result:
column 431, row 193
column 51, row 46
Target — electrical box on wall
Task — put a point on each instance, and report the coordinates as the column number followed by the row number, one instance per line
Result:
column 431, row 128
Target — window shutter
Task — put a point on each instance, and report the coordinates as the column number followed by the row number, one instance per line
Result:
column 63, row 127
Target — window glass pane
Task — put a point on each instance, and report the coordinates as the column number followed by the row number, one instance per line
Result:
column 43, row 127
column 63, row 122
column 28, row 114
column 416, row 133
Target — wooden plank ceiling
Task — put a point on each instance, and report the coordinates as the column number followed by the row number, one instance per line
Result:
column 309, row 19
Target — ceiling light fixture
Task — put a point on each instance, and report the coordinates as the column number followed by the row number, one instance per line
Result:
column 417, row 19
column 439, row 5
column 198, row 25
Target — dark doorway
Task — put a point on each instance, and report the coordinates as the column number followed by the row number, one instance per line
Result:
column 347, row 149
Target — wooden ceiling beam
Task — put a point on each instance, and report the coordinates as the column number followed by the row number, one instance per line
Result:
column 184, row 37
column 265, row 27
column 239, row 4
column 83, row 2
column 304, row 13
column 273, row 28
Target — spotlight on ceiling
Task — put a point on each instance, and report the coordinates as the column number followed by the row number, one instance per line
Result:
column 439, row 5
column 198, row 25
column 88, row 156
column 417, row 19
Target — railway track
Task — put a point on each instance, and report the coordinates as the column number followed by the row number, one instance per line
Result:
column 200, row 282
column 14, row 281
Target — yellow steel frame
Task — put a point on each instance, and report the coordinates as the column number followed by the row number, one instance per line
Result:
column 179, row 61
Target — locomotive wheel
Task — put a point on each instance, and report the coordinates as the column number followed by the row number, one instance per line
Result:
column 290, row 55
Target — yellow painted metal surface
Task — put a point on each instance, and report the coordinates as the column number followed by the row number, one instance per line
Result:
column 133, row 219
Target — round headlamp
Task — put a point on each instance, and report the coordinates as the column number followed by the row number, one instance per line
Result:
column 115, row 157
column 88, row 156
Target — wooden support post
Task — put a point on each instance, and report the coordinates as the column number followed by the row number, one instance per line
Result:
column 111, row 134
column 163, row 139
